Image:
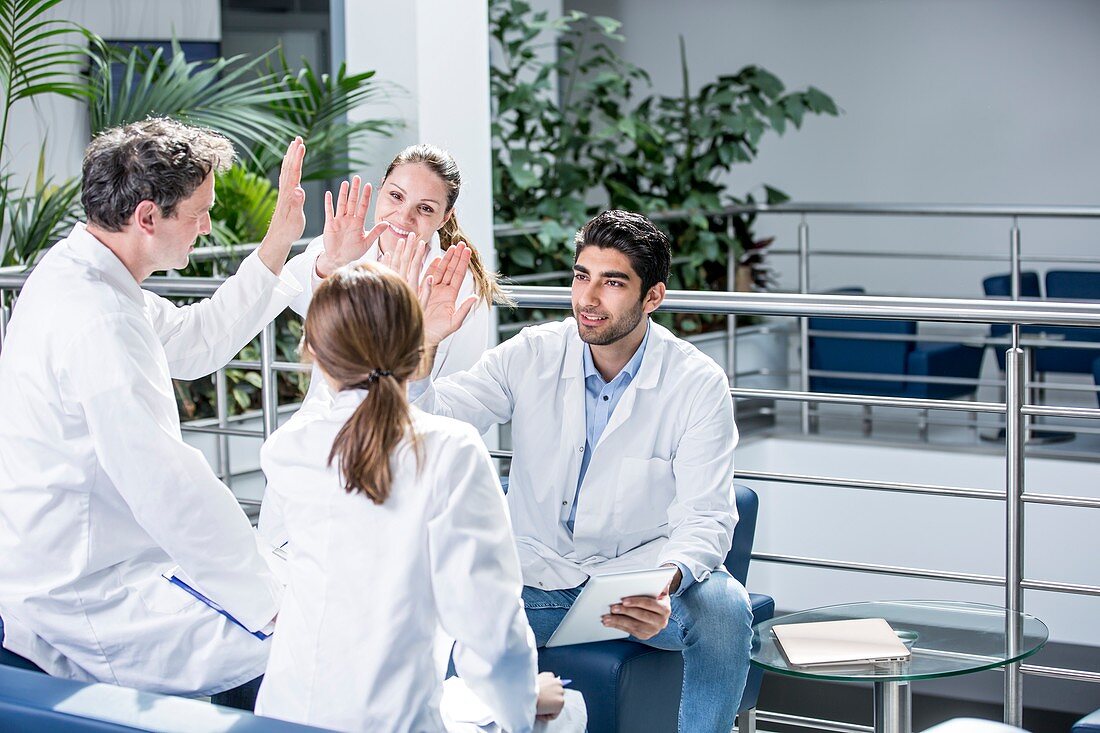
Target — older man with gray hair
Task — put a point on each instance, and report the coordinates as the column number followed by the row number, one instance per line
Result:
column 99, row 495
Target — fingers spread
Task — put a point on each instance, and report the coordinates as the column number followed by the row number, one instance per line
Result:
column 342, row 199
column 364, row 202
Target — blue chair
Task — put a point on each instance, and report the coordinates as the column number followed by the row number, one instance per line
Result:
column 34, row 702
column 898, row 357
column 1096, row 377
column 632, row 687
column 1070, row 285
column 1060, row 285
column 1088, row 724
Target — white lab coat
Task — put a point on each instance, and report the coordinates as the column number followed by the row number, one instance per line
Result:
column 458, row 352
column 369, row 583
column 98, row 492
column 659, row 487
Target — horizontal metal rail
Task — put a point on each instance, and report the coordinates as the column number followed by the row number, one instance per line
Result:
column 864, row 484
column 1080, row 675
column 215, row 430
column 879, row 569
column 948, row 310
column 935, row 256
column 925, row 573
column 871, row 400
column 858, row 209
column 801, row 721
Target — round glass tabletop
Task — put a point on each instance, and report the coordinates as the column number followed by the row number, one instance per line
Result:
column 946, row 638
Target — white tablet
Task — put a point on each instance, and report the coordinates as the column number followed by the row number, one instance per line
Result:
column 582, row 623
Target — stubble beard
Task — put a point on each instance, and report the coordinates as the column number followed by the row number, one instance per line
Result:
column 616, row 328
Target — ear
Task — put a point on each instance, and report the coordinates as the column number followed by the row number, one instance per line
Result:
column 654, row 298
column 144, row 217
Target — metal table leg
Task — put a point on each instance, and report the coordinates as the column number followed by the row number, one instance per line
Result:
column 893, row 708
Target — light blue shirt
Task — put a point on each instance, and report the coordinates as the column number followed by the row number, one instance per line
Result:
column 600, row 399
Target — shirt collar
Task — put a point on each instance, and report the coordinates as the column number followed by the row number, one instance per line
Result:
column 631, row 368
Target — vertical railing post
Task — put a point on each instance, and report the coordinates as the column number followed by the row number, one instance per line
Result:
column 731, row 319
column 4, row 315
column 270, row 390
column 1014, row 257
column 221, row 403
column 803, row 322
column 1015, row 390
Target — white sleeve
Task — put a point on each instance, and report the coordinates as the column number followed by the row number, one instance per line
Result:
column 702, row 516
column 167, row 485
column 481, row 396
column 303, row 268
column 477, row 585
column 200, row 338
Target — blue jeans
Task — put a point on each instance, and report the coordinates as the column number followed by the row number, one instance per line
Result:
column 711, row 624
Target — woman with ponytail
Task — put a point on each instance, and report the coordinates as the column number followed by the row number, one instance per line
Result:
column 385, row 546
column 415, row 202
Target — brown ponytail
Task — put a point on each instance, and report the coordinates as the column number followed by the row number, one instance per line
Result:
column 443, row 165
column 366, row 331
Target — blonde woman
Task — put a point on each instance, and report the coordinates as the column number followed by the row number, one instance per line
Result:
column 416, row 203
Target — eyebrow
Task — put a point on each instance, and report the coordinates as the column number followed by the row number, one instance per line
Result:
column 433, row 201
column 611, row 274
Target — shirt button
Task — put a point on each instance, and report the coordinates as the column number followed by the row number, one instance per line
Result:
column 581, row 449
column 605, row 398
column 565, row 503
column 540, row 584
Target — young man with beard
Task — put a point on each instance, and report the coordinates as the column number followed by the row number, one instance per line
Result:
column 623, row 440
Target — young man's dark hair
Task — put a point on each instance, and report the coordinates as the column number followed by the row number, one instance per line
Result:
column 635, row 236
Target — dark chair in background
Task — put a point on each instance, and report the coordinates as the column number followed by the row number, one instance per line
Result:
column 902, row 361
column 630, row 687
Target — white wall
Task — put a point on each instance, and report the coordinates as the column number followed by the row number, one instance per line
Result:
column 944, row 101
column 63, row 123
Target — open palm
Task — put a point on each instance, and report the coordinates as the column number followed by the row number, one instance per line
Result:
column 344, row 238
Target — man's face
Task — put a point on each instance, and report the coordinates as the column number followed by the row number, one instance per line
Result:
column 608, row 301
column 175, row 237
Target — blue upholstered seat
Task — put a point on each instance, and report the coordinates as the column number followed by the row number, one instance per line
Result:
column 632, row 687
column 895, row 357
column 32, row 702
column 1060, row 285
column 1088, row 724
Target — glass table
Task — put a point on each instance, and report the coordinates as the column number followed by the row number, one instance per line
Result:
column 946, row 638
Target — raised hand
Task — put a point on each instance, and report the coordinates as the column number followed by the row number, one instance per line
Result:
column 407, row 260
column 438, row 293
column 344, row 238
column 289, row 220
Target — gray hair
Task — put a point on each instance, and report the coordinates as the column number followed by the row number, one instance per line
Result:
column 158, row 159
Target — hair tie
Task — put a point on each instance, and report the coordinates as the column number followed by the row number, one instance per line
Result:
column 377, row 374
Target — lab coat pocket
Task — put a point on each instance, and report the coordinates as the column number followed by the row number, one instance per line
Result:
column 645, row 491
column 160, row 596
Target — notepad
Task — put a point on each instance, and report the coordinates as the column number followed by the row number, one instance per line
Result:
column 276, row 561
column 852, row 641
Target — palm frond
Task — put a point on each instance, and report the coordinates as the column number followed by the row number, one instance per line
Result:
column 38, row 56
column 227, row 95
column 243, row 205
column 316, row 108
column 38, row 218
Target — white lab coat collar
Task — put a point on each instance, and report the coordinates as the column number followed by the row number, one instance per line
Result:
column 99, row 257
